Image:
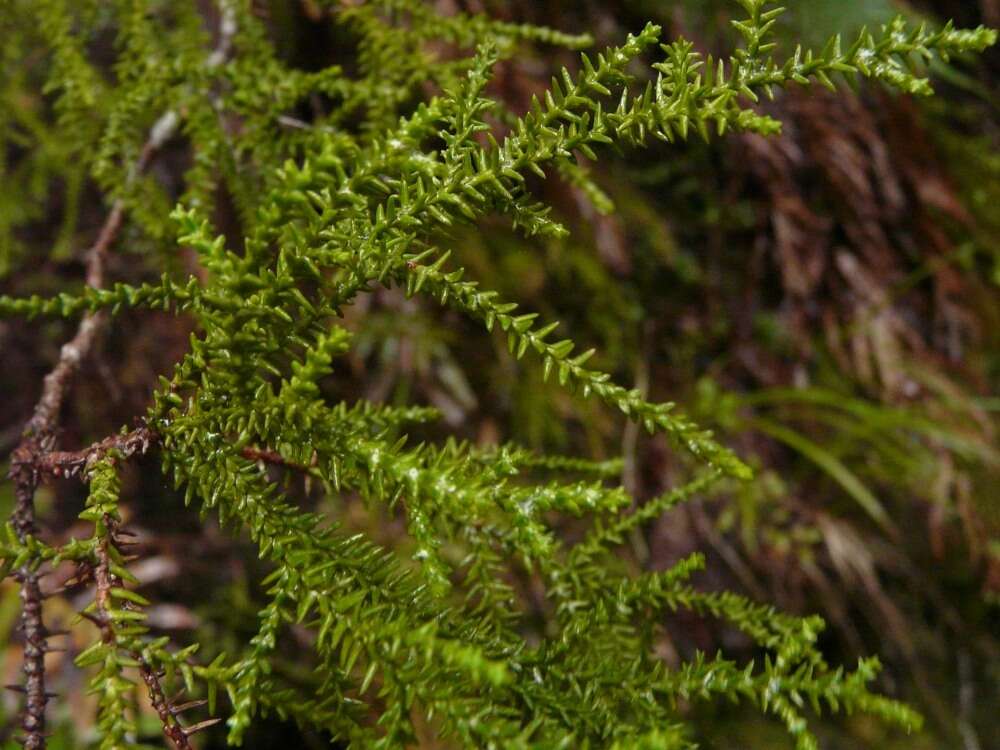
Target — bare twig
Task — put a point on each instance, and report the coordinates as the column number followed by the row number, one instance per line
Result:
column 35, row 696
column 76, row 463
column 172, row 728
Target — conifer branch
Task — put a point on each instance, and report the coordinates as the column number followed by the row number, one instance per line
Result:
column 432, row 629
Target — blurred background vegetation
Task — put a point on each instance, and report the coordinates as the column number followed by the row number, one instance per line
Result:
column 827, row 300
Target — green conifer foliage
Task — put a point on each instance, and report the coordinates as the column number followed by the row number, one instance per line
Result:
column 329, row 209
